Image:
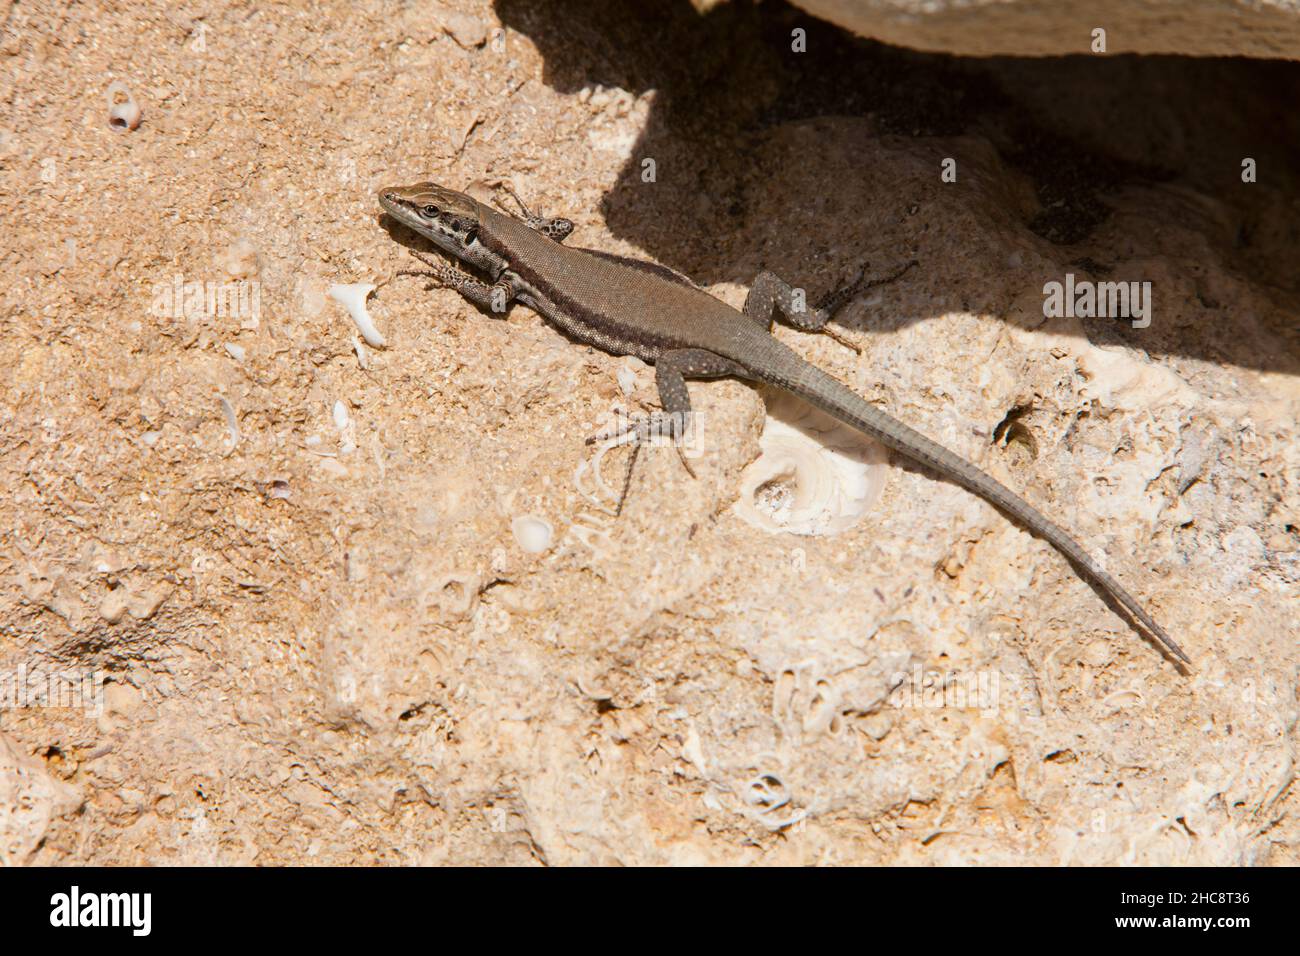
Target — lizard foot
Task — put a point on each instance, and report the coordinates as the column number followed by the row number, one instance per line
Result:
column 552, row 227
column 841, row 296
column 642, row 430
column 844, row 294
column 645, row 429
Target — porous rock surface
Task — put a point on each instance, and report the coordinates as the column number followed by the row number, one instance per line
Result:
column 292, row 559
column 1260, row 28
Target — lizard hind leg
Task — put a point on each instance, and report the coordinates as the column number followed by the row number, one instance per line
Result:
column 672, row 369
column 771, row 295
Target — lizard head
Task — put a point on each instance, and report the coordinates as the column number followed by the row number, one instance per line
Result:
column 444, row 216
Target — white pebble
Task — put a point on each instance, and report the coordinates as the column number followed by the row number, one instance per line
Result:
column 626, row 379
column 343, row 422
column 534, row 534
column 232, row 423
column 353, row 298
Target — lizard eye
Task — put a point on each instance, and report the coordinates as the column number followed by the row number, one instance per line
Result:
column 429, row 212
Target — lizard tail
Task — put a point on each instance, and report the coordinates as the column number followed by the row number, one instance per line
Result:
column 832, row 396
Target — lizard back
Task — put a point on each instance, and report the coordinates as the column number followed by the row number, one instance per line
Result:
column 619, row 305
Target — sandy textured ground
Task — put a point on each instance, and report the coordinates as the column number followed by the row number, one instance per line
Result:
column 321, row 638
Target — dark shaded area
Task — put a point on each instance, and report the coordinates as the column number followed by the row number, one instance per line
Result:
column 723, row 77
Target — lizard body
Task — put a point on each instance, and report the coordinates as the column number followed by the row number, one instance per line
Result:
column 630, row 307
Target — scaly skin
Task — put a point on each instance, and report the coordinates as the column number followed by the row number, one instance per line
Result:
column 629, row 307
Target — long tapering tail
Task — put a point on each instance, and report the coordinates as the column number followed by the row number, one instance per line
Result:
column 832, row 396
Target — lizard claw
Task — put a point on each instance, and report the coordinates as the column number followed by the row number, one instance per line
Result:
column 437, row 270
column 846, row 342
column 841, row 296
column 645, row 430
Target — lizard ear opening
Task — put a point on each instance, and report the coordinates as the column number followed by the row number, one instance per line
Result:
column 470, row 237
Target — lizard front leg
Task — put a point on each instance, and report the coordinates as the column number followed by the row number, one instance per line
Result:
column 771, row 294
column 552, row 227
column 672, row 369
column 495, row 298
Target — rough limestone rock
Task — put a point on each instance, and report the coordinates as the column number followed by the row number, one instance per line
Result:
column 1264, row 28
column 30, row 799
column 357, row 604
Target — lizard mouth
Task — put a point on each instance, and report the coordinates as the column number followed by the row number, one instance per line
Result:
column 392, row 207
column 388, row 200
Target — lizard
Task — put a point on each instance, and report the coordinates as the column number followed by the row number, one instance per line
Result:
column 627, row 306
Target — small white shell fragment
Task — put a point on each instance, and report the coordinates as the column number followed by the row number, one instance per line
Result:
column 363, row 357
column 232, row 423
column 533, row 534
column 626, row 379
column 123, row 114
column 150, row 438
column 236, row 352
column 343, row 422
column 353, row 298
column 813, row 476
